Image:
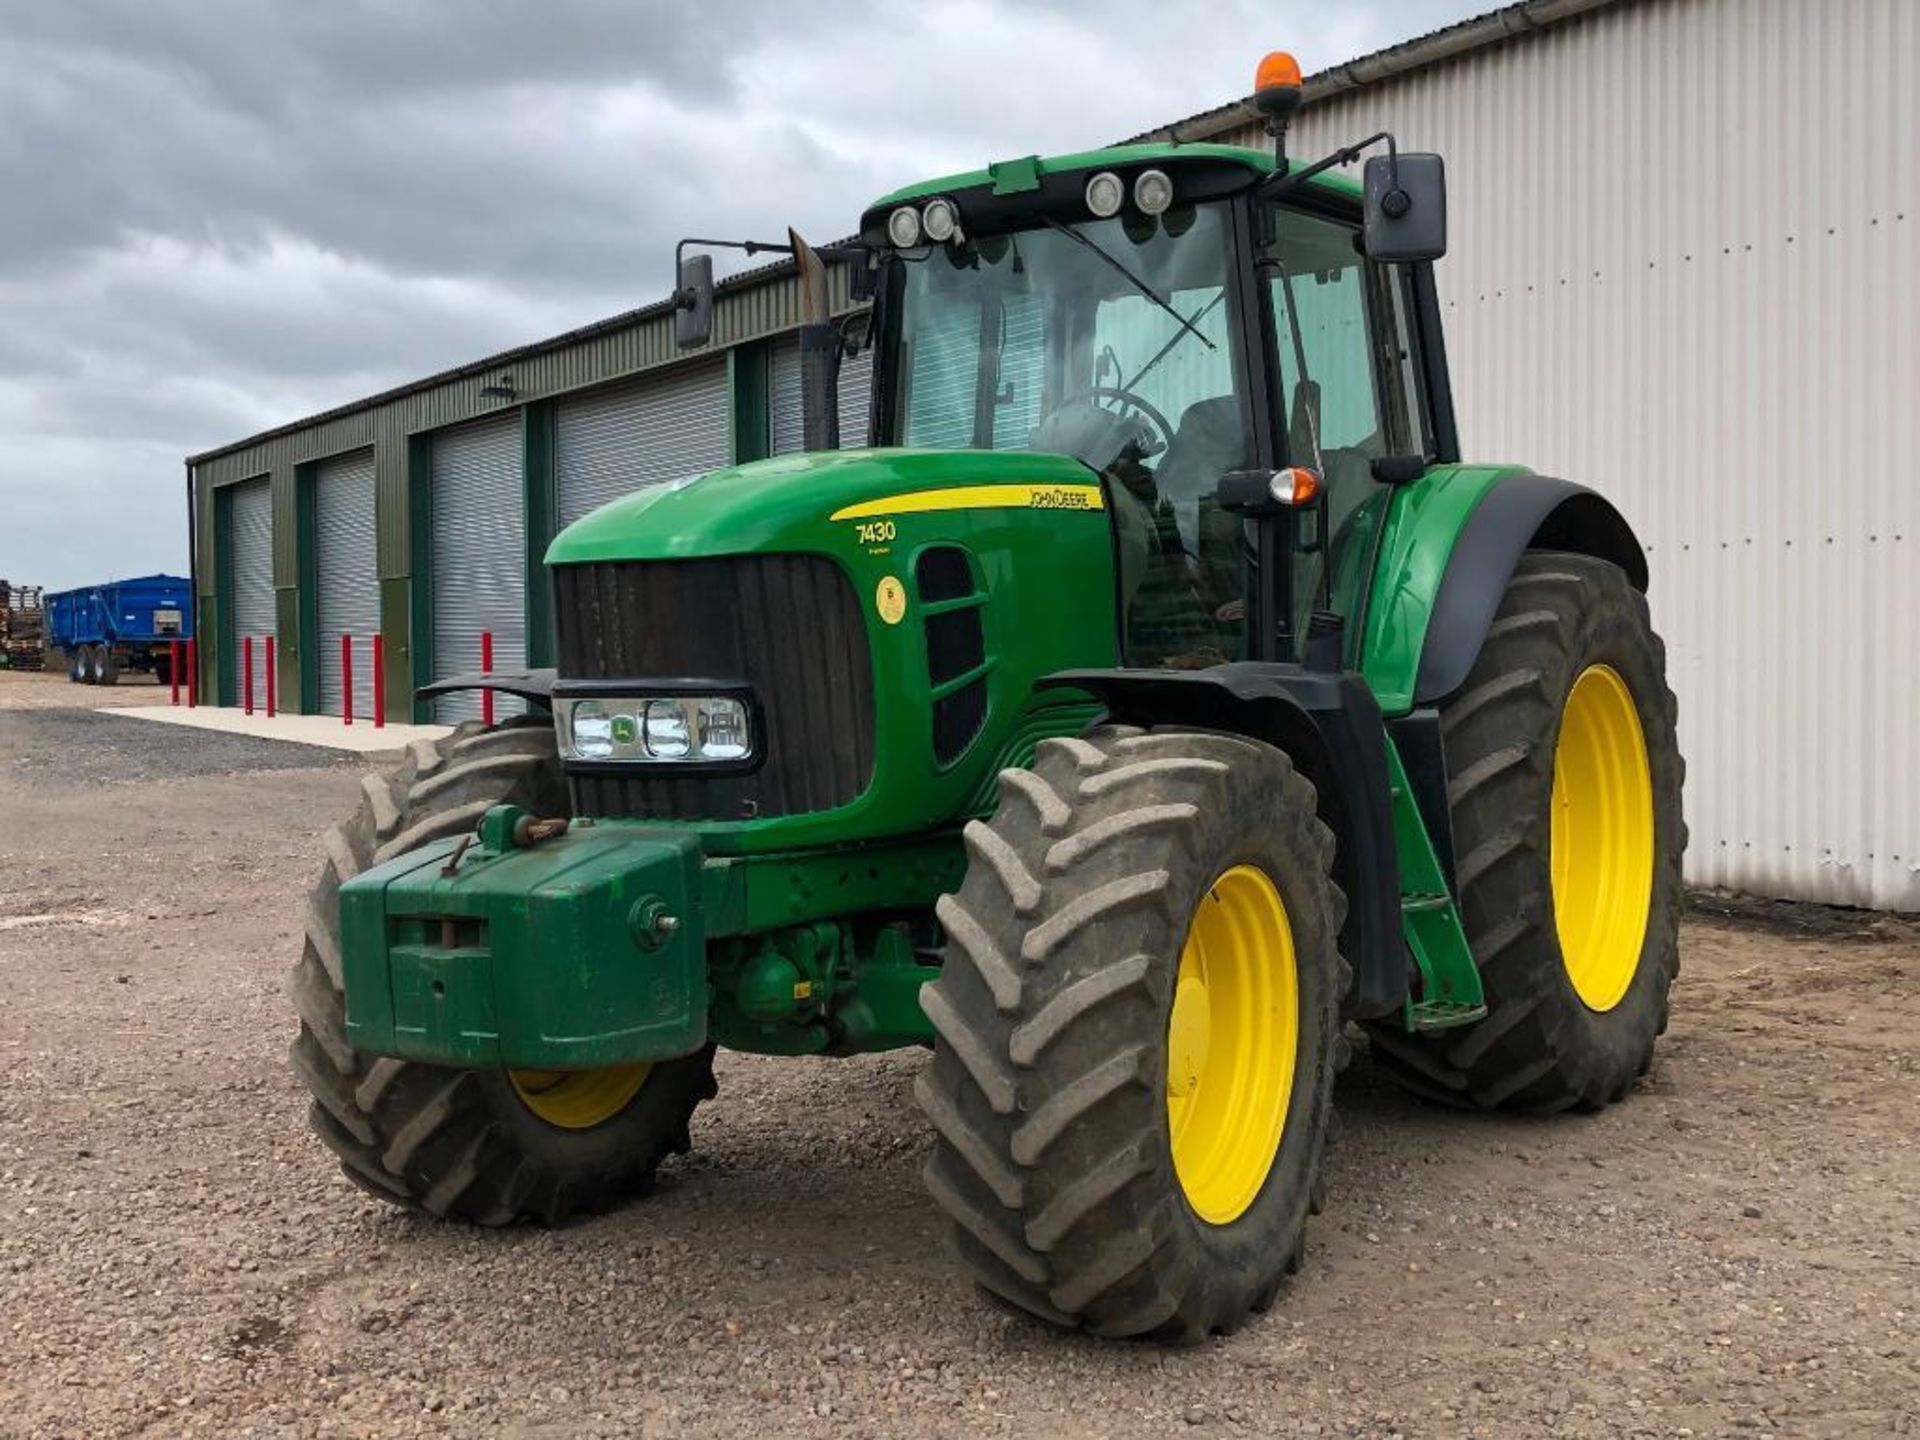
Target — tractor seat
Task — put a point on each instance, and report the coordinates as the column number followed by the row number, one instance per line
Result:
column 1210, row 440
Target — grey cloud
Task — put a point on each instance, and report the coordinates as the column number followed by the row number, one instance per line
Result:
column 222, row 214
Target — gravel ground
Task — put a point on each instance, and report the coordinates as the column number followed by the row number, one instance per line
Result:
column 1734, row 1251
column 50, row 689
column 65, row 748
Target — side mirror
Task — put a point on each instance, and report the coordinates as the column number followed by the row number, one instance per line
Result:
column 693, row 301
column 1406, row 208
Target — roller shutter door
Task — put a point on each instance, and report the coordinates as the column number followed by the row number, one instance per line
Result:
column 347, row 580
column 786, row 423
column 944, row 370
column 253, row 613
column 615, row 441
column 479, row 557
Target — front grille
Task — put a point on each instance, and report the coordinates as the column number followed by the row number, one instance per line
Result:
column 788, row 625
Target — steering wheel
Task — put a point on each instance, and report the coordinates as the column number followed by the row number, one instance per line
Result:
column 1132, row 402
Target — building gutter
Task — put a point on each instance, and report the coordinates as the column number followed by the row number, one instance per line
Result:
column 1494, row 28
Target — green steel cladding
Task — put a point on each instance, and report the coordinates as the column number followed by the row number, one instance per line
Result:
column 398, row 429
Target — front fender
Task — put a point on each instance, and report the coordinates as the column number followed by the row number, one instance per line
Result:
column 1451, row 542
column 533, row 686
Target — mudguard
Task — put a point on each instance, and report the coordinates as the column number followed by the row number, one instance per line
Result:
column 535, row 686
column 1328, row 724
column 1519, row 513
column 1449, row 548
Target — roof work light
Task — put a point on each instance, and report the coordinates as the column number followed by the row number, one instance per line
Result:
column 1105, row 194
column 1152, row 192
column 941, row 220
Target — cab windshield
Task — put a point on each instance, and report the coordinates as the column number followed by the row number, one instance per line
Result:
column 1111, row 341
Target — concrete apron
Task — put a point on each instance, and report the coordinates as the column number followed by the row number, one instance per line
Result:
column 322, row 730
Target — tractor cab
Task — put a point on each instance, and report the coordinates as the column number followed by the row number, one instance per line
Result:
column 1178, row 320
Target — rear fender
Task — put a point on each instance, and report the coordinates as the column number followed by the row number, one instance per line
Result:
column 1330, row 727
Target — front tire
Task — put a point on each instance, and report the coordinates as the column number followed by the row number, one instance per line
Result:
column 1565, row 779
column 1114, row 1150
column 490, row 1146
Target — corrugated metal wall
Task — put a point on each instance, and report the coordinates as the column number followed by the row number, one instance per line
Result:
column 347, row 588
column 1683, row 260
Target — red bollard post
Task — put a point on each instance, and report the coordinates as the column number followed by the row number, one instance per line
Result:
column 346, row 679
column 269, row 677
column 246, row 660
column 193, row 673
column 486, row 668
column 173, row 668
column 379, row 682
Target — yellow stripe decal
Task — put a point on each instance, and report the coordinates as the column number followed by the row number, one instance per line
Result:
column 979, row 497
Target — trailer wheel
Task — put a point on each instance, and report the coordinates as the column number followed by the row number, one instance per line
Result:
column 1564, row 782
column 109, row 665
column 77, row 666
column 1137, row 1023
column 162, row 667
column 489, row 1146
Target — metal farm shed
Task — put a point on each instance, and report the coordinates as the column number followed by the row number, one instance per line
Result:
column 1683, row 269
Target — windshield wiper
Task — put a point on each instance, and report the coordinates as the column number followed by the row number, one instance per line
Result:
column 1167, row 349
column 1131, row 278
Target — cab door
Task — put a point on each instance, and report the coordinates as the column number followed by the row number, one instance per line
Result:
column 1348, row 395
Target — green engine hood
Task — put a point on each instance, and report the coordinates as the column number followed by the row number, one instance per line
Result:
column 1035, row 533
column 803, row 502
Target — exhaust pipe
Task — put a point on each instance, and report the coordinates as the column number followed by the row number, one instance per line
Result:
column 819, row 351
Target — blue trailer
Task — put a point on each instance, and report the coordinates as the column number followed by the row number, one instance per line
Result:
column 103, row 630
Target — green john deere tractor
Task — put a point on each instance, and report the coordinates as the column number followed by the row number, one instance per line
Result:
column 1157, row 698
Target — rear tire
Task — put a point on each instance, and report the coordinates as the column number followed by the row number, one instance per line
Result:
column 109, row 665
column 1055, row 1156
column 1543, row 1047
column 465, row 1143
column 89, row 665
column 77, row 666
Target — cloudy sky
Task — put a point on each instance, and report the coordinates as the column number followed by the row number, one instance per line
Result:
column 221, row 215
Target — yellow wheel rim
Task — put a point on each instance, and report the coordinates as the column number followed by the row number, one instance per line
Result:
column 1231, row 1042
column 1602, row 843
column 579, row 1099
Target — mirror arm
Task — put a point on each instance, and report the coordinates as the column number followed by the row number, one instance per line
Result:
column 684, row 299
column 1277, row 185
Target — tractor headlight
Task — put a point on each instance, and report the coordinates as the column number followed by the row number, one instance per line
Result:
column 723, row 732
column 668, row 735
column 643, row 729
column 592, row 731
